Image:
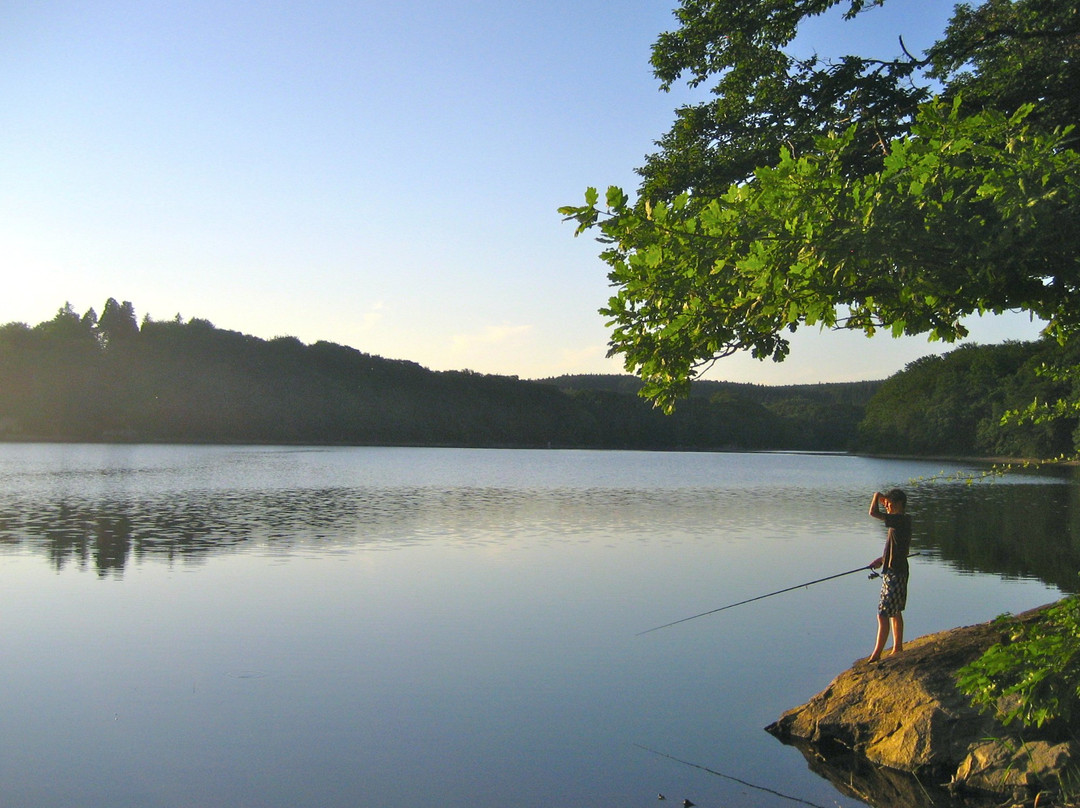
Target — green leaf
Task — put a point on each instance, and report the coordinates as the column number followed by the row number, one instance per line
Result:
column 616, row 199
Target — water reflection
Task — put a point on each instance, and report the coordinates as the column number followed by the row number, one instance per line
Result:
column 107, row 534
column 879, row 786
column 1016, row 529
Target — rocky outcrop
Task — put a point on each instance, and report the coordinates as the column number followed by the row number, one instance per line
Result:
column 905, row 713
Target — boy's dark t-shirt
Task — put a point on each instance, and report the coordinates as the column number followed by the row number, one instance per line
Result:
column 898, row 543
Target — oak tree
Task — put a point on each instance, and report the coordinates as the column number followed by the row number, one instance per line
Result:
column 849, row 194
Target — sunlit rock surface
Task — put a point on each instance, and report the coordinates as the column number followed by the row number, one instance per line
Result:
column 905, row 713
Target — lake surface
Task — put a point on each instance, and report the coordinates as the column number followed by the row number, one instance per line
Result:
column 224, row 626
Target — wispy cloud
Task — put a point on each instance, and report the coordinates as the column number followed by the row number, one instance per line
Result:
column 373, row 316
column 492, row 336
column 585, row 359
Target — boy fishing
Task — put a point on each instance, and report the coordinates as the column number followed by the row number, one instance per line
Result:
column 891, row 508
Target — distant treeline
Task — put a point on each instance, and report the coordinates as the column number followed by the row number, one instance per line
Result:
column 953, row 404
column 110, row 378
column 804, row 417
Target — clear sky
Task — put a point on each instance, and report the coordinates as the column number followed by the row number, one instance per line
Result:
column 382, row 175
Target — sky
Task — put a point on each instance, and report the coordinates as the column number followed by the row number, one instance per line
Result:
column 380, row 175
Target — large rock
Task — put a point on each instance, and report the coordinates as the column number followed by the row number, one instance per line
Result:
column 905, row 713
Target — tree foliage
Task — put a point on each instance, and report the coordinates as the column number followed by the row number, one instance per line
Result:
column 117, row 321
column 1003, row 54
column 763, row 97
column 856, row 203
column 969, row 214
column 1033, row 676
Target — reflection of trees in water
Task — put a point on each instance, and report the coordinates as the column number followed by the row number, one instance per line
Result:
column 84, row 536
column 1012, row 529
column 107, row 535
column 1025, row 529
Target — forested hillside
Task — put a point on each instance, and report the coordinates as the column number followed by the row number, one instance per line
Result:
column 953, row 404
column 85, row 378
column 818, row 417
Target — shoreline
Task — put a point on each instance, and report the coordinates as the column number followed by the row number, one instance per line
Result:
column 1018, row 462
column 900, row 725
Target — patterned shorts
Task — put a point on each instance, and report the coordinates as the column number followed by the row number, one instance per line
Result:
column 893, row 594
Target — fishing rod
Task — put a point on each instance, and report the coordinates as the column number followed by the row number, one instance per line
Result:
column 767, row 595
column 729, row 777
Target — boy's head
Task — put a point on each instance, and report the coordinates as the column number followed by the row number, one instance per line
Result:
column 898, row 498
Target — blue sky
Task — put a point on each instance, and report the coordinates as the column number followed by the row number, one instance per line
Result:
column 382, row 175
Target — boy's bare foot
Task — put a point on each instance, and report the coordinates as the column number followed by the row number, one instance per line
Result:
column 873, row 658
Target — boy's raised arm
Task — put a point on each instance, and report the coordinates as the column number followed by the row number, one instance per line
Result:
column 875, row 505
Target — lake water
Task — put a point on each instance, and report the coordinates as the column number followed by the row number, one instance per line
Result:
column 224, row 626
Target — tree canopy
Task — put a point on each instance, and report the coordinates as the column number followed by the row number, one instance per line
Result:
column 846, row 194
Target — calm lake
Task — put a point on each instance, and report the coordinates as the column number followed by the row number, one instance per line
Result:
column 224, row 626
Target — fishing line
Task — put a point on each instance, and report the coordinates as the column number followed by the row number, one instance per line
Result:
column 767, row 595
column 729, row 777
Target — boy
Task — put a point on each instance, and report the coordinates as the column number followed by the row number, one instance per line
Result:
column 894, row 568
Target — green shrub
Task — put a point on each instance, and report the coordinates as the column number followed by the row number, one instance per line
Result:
column 1033, row 676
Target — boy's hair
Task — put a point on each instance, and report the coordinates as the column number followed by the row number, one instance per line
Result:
column 898, row 496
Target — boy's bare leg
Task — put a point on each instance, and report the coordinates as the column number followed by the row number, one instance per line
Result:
column 898, row 633
column 882, row 636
